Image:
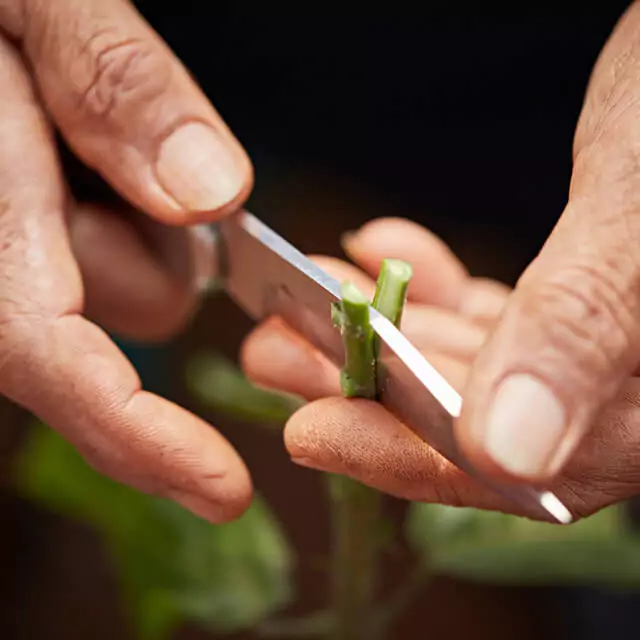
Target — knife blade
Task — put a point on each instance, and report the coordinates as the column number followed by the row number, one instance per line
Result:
column 265, row 275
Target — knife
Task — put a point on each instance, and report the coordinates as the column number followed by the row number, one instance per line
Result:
column 265, row 275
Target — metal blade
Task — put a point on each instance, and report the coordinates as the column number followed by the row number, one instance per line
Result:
column 265, row 275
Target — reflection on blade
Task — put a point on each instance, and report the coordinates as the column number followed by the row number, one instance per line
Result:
column 265, row 275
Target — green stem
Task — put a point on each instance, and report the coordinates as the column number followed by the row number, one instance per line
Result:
column 359, row 373
column 389, row 299
column 355, row 545
column 357, row 524
column 391, row 292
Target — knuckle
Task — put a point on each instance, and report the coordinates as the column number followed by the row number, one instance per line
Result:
column 607, row 154
column 591, row 315
column 17, row 298
column 604, row 469
column 29, row 286
column 119, row 74
column 20, row 333
column 587, row 493
column 579, row 497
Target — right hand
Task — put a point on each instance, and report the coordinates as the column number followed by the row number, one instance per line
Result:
column 96, row 72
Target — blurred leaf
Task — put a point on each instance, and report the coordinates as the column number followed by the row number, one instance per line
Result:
column 493, row 547
column 172, row 565
column 218, row 383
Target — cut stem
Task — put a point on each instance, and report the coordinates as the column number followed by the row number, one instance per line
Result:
column 359, row 372
column 391, row 292
column 389, row 299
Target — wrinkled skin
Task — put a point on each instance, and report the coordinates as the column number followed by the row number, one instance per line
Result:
column 569, row 333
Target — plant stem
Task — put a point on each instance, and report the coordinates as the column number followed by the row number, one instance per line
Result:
column 357, row 509
column 391, row 291
column 389, row 299
column 359, row 373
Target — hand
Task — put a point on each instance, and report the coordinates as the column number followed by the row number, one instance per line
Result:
column 95, row 71
column 449, row 317
column 551, row 396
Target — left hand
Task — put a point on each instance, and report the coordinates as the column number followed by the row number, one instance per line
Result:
column 94, row 72
column 448, row 318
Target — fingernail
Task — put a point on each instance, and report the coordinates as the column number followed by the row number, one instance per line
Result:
column 346, row 240
column 197, row 169
column 525, row 426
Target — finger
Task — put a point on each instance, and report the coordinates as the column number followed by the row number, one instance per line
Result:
column 129, row 110
column 65, row 370
column 483, row 301
column 438, row 275
column 68, row 373
column 569, row 335
column 276, row 356
column 439, row 278
column 139, row 285
column 361, row 440
column 435, row 329
column 343, row 271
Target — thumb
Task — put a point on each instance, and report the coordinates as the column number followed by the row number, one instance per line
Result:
column 129, row 109
column 568, row 337
column 570, row 333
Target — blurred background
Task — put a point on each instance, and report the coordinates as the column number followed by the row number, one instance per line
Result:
column 460, row 120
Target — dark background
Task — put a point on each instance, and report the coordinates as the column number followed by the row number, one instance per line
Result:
column 462, row 120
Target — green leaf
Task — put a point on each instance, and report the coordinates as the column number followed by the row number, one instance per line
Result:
column 218, row 383
column 171, row 564
column 496, row 548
